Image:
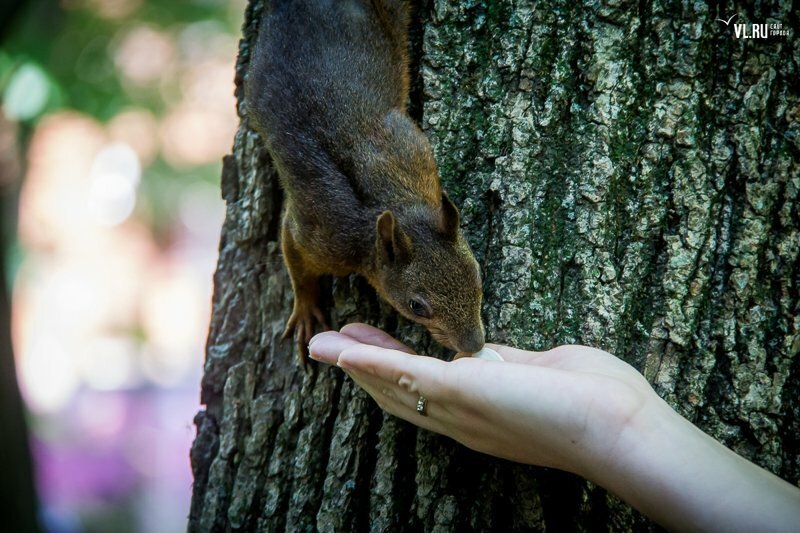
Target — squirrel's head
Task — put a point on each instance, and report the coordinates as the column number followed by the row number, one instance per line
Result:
column 428, row 273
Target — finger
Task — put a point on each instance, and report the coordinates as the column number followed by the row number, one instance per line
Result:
column 381, row 388
column 415, row 374
column 385, row 393
column 326, row 347
column 396, row 402
column 374, row 336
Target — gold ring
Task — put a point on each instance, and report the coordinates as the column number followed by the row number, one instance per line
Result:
column 422, row 404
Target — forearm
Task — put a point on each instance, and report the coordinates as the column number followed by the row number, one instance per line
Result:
column 682, row 478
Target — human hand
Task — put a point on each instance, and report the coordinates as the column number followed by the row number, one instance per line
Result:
column 578, row 409
column 563, row 408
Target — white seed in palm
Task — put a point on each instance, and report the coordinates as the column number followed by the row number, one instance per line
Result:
column 488, row 354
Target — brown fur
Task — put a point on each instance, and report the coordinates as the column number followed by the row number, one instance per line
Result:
column 327, row 89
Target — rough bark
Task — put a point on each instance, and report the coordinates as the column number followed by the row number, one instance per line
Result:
column 628, row 175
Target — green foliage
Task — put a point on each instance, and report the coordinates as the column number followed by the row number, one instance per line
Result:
column 75, row 48
column 60, row 56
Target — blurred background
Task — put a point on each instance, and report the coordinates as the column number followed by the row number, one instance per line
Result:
column 114, row 117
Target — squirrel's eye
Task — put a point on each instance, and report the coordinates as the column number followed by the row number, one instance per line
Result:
column 418, row 309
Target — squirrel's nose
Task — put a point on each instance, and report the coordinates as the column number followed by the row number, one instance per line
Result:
column 470, row 342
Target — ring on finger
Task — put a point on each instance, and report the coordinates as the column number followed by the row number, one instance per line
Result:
column 422, row 405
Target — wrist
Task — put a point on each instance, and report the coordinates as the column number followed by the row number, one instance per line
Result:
column 670, row 470
column 625, row 424
column 642, row 463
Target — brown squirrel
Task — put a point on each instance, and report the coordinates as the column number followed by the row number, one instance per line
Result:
column 327, row 89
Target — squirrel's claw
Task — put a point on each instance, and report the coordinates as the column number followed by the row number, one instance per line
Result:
column 290, row 327
column 320, row 319
column 302, row 324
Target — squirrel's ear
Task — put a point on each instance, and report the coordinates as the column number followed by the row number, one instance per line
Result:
column 392, row 242
column 450, row 221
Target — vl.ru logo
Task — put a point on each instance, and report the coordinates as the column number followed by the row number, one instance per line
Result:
column 756, row 31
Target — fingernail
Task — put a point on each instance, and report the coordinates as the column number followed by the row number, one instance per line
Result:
column 312, row 354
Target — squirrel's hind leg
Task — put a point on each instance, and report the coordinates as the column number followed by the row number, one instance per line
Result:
column 305, row 283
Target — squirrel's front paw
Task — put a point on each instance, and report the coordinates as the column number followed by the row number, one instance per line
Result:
column 301, row 323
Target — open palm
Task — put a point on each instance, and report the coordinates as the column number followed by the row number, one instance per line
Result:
column 556, row 408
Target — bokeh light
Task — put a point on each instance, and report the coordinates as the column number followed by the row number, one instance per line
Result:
column 126, row 107
column 145, row 54
column 26, row 93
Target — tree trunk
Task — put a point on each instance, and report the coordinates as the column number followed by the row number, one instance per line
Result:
column 628, row 176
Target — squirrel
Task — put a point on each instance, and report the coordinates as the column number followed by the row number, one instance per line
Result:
column 326, row 89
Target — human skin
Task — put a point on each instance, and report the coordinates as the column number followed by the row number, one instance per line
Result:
column 578, row 409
